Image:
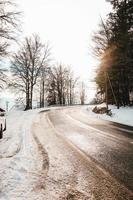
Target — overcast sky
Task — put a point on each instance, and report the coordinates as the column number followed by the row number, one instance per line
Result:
column 68, row 25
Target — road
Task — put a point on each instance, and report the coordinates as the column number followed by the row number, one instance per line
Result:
column 102, row 151
column 69, row 155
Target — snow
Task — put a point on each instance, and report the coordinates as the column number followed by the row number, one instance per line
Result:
column 123, row 115
column 79, row 139
column 20, row 157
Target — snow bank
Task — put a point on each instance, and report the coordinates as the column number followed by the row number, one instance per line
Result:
column 124, row 115
column 22, row 167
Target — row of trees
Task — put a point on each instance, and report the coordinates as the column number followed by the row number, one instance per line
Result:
column 114, row 47
column 30, row 65
column 61, row 86
column 32, row 73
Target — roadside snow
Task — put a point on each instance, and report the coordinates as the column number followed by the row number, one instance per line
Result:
column 124, row 115
column 21, row 158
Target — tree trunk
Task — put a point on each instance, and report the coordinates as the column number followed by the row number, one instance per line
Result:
column 27, row 96
column 31, row 97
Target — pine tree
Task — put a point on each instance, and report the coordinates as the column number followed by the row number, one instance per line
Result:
column 116, row 59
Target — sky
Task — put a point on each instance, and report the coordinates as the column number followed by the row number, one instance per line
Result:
column 68, row 26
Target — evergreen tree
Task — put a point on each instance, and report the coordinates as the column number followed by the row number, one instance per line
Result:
column 116, row 57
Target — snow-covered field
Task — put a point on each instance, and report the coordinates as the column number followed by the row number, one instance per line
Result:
column 124, row 115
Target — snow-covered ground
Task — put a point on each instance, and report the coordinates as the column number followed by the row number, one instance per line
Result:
column 124, row 115
column 20, row 156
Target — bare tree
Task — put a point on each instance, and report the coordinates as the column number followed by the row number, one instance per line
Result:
column 61, row 86
column 101, row 39
column 70, row 87
column 3, row 78
column 27, row 64
column 9, row 25
column 44, row 74
column 82, row 94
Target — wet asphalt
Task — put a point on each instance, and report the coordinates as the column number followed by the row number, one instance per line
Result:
column 108, row 144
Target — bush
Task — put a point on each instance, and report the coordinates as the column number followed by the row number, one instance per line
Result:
column 101, row 110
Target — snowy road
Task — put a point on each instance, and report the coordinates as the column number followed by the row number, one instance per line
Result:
column 65, row 154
